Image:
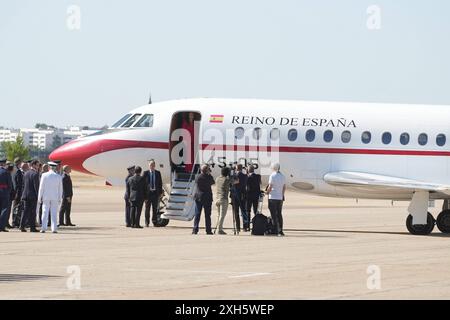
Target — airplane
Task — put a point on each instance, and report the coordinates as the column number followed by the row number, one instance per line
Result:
column 335, row 149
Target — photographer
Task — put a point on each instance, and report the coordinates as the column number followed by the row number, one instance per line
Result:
column 223, row 184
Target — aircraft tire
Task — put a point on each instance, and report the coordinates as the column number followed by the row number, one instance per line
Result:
column 443, row 221
column 420, row 229
column 161, row 223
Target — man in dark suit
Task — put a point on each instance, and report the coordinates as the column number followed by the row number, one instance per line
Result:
column 66, row 206
column 203, row 199
column 137, row 190
column 6, row 187
column 17, row 207
column 253, row 191
column 155, row 187
column 30, row 197
column 127, row 197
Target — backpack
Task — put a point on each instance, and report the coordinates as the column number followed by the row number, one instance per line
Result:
column 260, row 224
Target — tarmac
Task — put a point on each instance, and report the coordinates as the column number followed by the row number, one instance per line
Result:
column 333, row 249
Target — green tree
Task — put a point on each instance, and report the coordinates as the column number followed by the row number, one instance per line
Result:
column 14, row 149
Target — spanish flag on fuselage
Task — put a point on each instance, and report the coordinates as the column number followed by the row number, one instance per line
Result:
column 216, row 118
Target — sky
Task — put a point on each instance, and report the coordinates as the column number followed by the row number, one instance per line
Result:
column 52, row 72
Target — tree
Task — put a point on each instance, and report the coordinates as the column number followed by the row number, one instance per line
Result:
column 42, row 126
column 14, row 149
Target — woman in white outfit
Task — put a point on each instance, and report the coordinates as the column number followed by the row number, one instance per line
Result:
column 50, row 195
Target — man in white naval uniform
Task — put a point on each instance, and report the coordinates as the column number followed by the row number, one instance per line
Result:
column 50, row 195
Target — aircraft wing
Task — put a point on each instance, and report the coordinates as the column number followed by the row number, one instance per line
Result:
column 368, row 180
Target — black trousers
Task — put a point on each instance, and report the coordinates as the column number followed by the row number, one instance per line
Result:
column 152, row 203
column 29, row 214
column 136, row 210
column 240, row 205
column 66, row 208
column 127, row 213
column 252, row 202
column 199, row 206
column 276, row 207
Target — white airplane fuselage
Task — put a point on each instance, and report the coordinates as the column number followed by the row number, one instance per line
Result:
column 304, row 162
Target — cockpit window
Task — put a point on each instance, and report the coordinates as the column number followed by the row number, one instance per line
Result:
column 145, row 122
column 118, row 123
column 132, row 120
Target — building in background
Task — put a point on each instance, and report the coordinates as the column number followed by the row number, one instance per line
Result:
column 44, row 139
column 8, row 135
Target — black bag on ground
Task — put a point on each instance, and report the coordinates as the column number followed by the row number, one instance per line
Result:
column 17, row 215
column 260, row 223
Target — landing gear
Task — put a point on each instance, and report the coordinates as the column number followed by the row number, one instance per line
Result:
column 443, row 221
column 161, row 223
column 421, row 229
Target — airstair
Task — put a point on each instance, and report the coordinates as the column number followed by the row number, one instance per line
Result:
column 181, row 204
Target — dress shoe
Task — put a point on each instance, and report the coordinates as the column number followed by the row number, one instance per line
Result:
column 281, row 234
column 194, row 232
column 42, row 231
column 23, row 230
column 34, row 230
column 71, row 225
column 61, row 225
column 147, row 225
column 4, row 230
column 8, row 226
column 54, row 231
column 209, row 233
column 221, row 232
column 139, row 227
column 128, row 225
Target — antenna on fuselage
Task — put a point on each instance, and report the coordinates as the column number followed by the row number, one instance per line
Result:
column 150, row 99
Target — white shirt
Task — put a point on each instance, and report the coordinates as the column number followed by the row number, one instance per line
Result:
column 277, row 181
column 50, row 188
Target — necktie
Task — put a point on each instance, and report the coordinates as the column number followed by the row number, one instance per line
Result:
column 152, row 180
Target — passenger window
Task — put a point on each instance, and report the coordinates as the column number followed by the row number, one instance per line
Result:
column 404, row 138
column 118, row 123
column 145, row 122
column 386, row 137
column 132, row 120
column 346, row 136
column 440, row 139
column 292, row 134
column 274, row 134
column 328, row 136
column 366, row 137
column 310, row 135
column 239, row 133
column 257, row 133
column 423, row 139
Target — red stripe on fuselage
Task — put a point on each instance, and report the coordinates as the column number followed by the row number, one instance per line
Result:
column 287, row 149
column 75, row 153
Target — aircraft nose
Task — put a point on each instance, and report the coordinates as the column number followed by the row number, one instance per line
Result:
column 74, row 154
